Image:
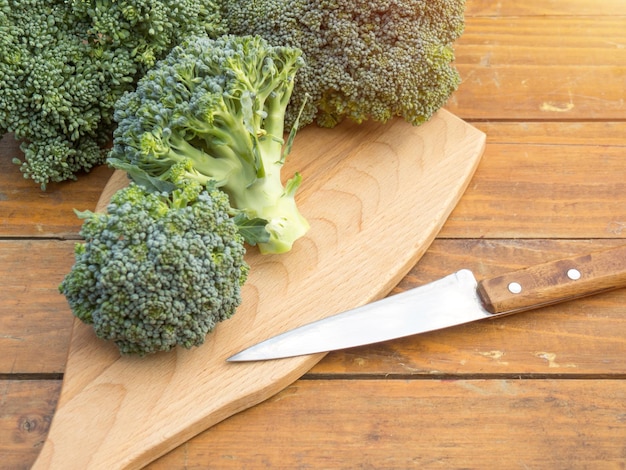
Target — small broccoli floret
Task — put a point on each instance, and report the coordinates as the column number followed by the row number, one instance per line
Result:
column 64, row 64
column 213, row 111
column 157, row 270
column 365, row 59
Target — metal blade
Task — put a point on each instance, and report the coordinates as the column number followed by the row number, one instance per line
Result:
column 446, row 302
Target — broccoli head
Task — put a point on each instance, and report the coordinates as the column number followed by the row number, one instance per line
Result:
column 149, row 28
column 213, row 111
column 64, row 64
column 48, row 83
column 365, row 59
column 157, row 270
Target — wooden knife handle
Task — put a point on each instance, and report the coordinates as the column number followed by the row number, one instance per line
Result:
column 555, row 281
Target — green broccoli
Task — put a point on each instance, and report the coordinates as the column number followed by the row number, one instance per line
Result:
column 158, row 269
column 149, row 28
column 365, row 59
column 47, row 81
column 213, row 111
column 64, row 64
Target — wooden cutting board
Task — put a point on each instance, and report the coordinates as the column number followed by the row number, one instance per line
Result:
column 375, row 195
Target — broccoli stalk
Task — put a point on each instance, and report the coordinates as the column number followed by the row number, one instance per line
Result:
column 213, row 111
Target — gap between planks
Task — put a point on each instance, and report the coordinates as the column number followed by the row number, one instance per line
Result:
column 469, row 376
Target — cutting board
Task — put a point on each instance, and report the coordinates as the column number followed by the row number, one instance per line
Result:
column 375, row 195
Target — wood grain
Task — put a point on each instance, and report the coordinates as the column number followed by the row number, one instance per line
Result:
column 426, row 424
column 552, row 68
column 538, row 423
column 359, row 184
column 589, row 333
column 30, row 275
column 577, row 136
column 26, row 409
column 556, row 159
column 542, row 8
column 537, row 190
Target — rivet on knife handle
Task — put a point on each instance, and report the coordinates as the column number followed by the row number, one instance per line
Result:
column 555, row 281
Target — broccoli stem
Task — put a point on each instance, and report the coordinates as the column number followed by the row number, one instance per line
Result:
column 229, row 142
column 266, row 195
column 270, row 201
column 221, row 152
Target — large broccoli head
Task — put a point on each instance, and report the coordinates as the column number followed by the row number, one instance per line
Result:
column 65, row 63
column 157, row 270
column 365, row 59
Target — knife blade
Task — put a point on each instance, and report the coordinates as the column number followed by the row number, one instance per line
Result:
column 452, row 300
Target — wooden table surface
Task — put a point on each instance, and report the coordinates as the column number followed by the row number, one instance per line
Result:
column 546, row 81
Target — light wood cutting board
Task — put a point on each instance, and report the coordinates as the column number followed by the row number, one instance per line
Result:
column 375, row 195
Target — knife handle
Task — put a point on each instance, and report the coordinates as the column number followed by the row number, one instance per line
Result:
column 555, row 281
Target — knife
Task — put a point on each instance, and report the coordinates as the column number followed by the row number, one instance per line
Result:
column 453, row 300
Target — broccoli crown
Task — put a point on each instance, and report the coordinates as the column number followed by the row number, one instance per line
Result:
column 64, row 64
column 48, row 81
column 149, row 28
column 213, row 111
column 158, row 269
column 365, row 59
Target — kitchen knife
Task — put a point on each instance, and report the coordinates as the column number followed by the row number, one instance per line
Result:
column 452, row 300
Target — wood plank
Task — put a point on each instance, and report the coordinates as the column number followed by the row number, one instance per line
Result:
column 573, row 424
column 525, row 190
column 35, row 320
column 553, row 68
column 540, row 93
column 585, row 336
column 580, row 134
column 588, row 334
column 522, row 162
column 26, row 409
column 545, row 7
column 470, row 423
column 496, row 203
column 26, row 211
column 552, row 40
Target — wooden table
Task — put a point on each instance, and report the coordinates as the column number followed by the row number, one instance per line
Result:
column 546, row 81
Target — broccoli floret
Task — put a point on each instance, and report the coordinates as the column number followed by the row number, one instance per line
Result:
column 157, row 270
column 149, row 28
column 47, row 83
column 213, row 111
column 365, row 59
column 64, row 64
